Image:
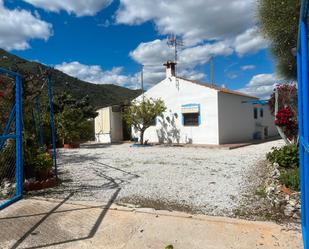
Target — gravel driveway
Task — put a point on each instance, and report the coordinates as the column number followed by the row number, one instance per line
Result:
column 199, row 180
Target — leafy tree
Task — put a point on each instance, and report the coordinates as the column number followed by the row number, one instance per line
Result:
column 72, row 117
column 141, row 114
column 279, row 23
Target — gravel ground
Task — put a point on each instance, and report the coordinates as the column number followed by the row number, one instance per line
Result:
column 197, row 180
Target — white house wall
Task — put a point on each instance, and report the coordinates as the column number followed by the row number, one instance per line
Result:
column 176, row 93
column 116, row 127
column 236, row 119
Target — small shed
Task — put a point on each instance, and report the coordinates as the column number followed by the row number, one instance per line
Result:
column 108, row 125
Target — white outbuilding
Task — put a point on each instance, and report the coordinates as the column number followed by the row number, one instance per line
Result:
column 108, row 125
column 200, row 113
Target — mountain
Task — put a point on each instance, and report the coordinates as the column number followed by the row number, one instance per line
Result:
column 100, row 95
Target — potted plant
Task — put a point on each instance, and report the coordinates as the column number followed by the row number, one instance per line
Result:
column 43, row 165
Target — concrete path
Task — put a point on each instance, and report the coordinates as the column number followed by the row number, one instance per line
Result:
column 38, row 223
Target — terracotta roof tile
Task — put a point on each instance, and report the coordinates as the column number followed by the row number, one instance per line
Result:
column 220, row 89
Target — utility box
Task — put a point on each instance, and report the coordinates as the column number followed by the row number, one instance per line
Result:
column 108, row 125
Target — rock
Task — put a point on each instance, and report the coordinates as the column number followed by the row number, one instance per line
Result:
column 296, row 216
column 292, row 203
column 276, row 174
column 289, row 210
column 276, row 165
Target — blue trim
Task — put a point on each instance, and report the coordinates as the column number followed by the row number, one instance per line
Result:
column 19, row 158
column 10, row 202
column 52, row 124
column 256, row 102
column 303, row 115
column 5, row 137
column 5, row 71
column 192, row 106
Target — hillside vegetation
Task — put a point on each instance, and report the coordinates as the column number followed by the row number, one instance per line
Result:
column 100, row 95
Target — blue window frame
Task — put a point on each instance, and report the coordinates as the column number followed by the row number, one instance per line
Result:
column 191, row 115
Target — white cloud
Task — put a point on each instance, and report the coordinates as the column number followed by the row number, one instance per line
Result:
column 155, row 53
column 78, row 7
column 95, row 74
column 209, row 28
column 250, row 41
column 261, row 85
column 18, row 26
column 248, row 67
column 196, row 20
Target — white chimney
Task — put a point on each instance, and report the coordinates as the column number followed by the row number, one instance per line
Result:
column 170, row 69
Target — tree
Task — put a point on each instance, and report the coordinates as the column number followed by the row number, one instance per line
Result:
column 141, row 114
column 72, row 117
column 279, row 23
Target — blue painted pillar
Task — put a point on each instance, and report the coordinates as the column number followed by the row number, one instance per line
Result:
column 52, row 124
column 304, row 120
column 19, row 160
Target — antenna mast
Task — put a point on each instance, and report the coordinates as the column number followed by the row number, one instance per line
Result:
column 142, row 80
column 175, row 42
column 212, row 70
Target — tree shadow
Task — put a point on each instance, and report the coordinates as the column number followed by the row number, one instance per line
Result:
column 168, row 131
column 98, row 177
column 55, row 234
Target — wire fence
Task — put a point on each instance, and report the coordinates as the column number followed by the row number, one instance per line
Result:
column 10, row 138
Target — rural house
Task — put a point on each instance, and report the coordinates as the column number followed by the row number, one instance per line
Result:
column 200, row 113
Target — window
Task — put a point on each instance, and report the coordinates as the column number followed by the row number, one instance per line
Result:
column 255, row 113
column 191, row 119
column 261, row 113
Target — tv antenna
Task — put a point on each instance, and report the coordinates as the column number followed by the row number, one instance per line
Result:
column 174, row 42
column 212, row 70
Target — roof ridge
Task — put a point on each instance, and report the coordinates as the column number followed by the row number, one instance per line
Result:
column 218, row 88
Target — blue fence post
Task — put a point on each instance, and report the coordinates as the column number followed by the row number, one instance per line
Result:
column 303, row 117
column 52, row 123
column 19, row 159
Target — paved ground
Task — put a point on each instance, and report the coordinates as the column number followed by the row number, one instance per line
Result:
column 36, row 223
column 197, row 180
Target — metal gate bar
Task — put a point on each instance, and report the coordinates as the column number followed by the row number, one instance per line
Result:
column 17, row 136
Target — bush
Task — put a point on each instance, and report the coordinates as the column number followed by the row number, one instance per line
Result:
column 286, row 156
column 43, row 165
column 291, row 179
column 43, row 161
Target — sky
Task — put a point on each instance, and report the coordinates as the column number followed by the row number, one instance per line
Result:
column 107, row 41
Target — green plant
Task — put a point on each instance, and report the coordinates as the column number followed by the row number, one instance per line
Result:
column 43, row 164
column 142, row 114
column 169, row 247
column 286, row 156
column 291, row 179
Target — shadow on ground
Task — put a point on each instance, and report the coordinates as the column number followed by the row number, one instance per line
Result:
column 34, row 225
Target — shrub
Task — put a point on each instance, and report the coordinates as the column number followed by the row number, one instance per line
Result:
column 43, row 162
column 286, row 156
column 291, row 179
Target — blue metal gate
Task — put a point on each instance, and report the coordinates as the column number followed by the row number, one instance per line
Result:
column 11, row 175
